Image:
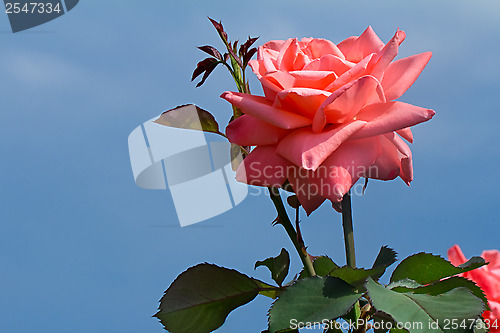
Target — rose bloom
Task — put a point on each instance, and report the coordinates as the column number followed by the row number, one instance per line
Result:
column 329, row 116
column 486, row 277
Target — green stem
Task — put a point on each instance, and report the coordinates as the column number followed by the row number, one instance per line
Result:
column 349, row 247
column 235, row 76
column 287, row 224
column 348, row 230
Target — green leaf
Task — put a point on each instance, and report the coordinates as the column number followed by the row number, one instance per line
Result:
column 398, row 330
column 333, row 327
column 199, row 299
column 425, row 268
column 356, row 276
column 312, row 300
column 189, row 116
column 379, row 325
column 237, row 155
column 268, row 290
column 444, row 286
column 439, row 287
column 426, row 313
column 481, row 326
column 277, row 265
column 382, row 324
column 386, row 257
column 354, row 314
column 403, row 285
column 323, row 266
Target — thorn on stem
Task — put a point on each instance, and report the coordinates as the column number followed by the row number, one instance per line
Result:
column 276, row 221
column 364, row 186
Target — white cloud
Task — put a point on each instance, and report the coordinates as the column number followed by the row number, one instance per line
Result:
column 38, row 70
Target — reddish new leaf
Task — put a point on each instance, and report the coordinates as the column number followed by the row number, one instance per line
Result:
column 211, row 50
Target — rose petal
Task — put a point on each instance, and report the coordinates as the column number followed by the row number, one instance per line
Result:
column 330, row 63
column 319, row 47
column 257, row 68
column 363, row 91
column 304, row 186
column 401, row 74
column 387, row 166
column 354, row 73
column 303, row 101
column 456, row 256
column 383, row 58
column 368, row 42
column 493, row 257
column 335, row 177
column 388, row 117
column 346, row 102
column 305, row 189
column 354, row 157
column 345, row 45
column 312, row 79
column 307, row 149
column 406, row 157
column 259, row 107
column 483, row 277
column 301, row 61
column 283, row 80
column 495, row 314
column 274, row 82
column 250, row 131
column 311, row 189
column 288, row 55
column 263, row 167
column 275, row 45
column 406, row 134
column 488, row 282
column 395, row 160
column 267, row 61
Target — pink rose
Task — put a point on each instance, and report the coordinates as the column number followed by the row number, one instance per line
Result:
column 328, row 116
column 486, row 277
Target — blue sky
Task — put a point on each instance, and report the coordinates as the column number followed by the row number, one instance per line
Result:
column 83, row 249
